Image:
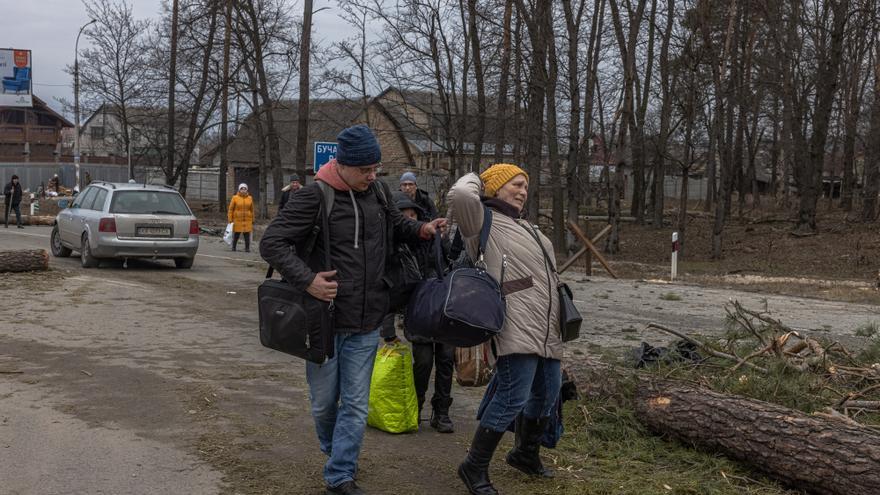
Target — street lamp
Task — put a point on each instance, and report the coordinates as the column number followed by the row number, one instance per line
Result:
column 76, row 102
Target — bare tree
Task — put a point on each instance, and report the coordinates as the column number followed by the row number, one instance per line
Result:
column 302, row 126
column 114, row 67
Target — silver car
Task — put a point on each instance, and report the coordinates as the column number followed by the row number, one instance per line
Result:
column 109, row 220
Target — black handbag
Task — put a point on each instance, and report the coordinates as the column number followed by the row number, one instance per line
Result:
column 291, row 320
column 463, row 308
column 570, row 318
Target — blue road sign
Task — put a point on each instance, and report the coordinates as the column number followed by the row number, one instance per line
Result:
column 324, row 152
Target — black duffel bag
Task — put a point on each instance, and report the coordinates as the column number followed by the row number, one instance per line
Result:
column 291, row 320
column 463, row 308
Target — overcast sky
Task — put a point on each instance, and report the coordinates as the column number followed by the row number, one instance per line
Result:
column 49, row 28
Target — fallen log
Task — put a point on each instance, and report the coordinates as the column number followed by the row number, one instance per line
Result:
column 28, row 260
column 819, row 455
column 37, row 220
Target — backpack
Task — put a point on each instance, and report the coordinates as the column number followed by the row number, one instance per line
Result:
column 402, row 272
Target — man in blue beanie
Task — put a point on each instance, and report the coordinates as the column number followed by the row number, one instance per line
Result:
column 409, row 186
column 363, row 224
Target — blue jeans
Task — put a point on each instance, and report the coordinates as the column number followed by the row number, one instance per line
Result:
column 527, row 383
column 339, row 391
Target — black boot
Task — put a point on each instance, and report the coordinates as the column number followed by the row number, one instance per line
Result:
column 440, row 419
column 524, row 455
column 474, row 471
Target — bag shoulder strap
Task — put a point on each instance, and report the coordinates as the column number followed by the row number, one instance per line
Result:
column 329, row 195
column 325, row 206
column 531, row 230
column 484, row 232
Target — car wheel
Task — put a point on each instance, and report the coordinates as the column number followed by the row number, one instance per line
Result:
column 58, row 249
column 85, row 253
column 183, row 262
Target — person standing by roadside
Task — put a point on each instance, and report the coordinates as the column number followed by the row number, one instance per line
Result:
column 241, row 216
column 12, row 196
column 528, row 351
column 427, row 355
column 363, row 223
column 289, row 190
column 420, row 196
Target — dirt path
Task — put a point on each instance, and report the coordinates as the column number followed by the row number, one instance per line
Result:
column 151, row 380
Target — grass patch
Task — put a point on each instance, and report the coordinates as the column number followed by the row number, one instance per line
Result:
column 670, row 296
column 868, row 329
column 606, row 450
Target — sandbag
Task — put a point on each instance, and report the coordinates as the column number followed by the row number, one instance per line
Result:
column 393, row 406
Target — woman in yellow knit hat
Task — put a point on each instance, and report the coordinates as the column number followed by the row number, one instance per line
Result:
column 528, row 351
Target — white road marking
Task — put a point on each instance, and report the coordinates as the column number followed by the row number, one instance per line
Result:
column 228, row 258
column 27, row 233
column 86, row 278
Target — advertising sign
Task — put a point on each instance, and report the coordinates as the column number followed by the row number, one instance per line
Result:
column 15, row 78
column 324, row 152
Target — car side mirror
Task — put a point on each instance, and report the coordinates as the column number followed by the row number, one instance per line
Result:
column 64, row 203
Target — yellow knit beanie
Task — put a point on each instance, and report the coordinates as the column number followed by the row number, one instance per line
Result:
column 499, row 174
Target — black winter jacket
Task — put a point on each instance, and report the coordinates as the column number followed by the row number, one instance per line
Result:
column 429, row 209
column 358, row 249
column 12, row 193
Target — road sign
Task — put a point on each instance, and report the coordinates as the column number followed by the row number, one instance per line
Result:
column 324, row 152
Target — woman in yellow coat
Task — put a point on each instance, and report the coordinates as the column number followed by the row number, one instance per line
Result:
column 241, row 216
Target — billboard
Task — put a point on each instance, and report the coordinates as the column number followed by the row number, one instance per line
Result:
column 16, row 79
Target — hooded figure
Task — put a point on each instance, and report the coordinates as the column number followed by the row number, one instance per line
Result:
column 241, row 215
column 12, row 194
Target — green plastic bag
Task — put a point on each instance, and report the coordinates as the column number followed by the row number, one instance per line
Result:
column 393, row 404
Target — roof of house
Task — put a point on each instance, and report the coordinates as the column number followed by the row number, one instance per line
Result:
column 40, row 106
column 327, row 117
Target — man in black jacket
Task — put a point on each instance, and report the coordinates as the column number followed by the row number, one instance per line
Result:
column 420, row 196
column 426, row 354
column 362, row 221
column 289, row 191
column 12, row 196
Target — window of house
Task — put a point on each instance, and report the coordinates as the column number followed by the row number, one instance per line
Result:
column 97, row 132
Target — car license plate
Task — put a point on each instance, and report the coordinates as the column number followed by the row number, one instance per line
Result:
column 154, row 231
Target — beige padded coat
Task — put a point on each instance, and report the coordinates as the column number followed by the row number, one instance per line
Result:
column 532, row 322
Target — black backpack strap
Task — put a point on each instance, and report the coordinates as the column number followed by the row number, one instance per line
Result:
column 484, row 234
column 325, row 205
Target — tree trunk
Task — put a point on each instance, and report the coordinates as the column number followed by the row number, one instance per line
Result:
column 558, row 194
column 28, row 260
column 224, row 113
column 872, row 152
column 667, row 88
column 302, row 126
column 810, row 182
column 503, row 84
column 480, row 133
column 273, row 143
column 537, row 96
column 823, row 456
column 37, row 220
column 573, row 167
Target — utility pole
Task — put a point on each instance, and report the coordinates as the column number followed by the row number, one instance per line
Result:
column 78, row 185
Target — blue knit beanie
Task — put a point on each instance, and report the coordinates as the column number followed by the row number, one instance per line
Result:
column 358, row 147
column 408, row 177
